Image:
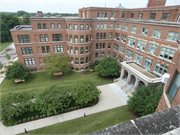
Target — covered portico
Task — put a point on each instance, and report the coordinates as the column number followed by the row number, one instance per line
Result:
column 136, row 75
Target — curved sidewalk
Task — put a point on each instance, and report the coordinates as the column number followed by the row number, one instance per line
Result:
column 111, row 97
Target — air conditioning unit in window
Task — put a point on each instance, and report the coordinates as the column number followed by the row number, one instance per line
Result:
column 90, row 28
column 165, row 78
column 115, row 39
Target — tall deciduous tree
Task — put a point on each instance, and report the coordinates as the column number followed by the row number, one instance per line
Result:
column 85, row 91
column 53, row 98
column 17, row 71
column 108, row 66
column 145, row 99
column 56, row 63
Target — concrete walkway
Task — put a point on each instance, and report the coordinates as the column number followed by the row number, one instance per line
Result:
column 111, row 97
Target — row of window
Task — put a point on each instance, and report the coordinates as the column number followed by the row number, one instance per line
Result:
column 104, row 15
column 102, row 45
column 80, row 60
column 76, row 50
column 87, row 38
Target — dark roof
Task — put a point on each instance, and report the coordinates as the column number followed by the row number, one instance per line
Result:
column 166, row 121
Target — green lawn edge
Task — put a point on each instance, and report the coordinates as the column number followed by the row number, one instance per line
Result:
column 4, row 45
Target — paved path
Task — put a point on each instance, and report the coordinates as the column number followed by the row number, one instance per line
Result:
column 111, row 97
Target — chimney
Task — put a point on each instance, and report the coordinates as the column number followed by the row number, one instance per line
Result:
column 40, row 13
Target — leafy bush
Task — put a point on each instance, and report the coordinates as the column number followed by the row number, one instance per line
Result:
column 29, row 119
column 2, row 72
column 24, row 119
column 32, row 118
column 44, row 115
column 93, row 66
column 20, row 121
column 62, row 111
column 41, row 116
column 10, row 62
column 58, row 111
column 72, row 108
column 141, row 102
column 81, row 106
column 69, row 109
column 10, row 123
column 8, row 57
column 65, row 110
column 75, row 107
column 51, row 113
column 78, row 106
column 108, row 67
column 97, row 62
column 1, row 65
column 91, row 70
column 37, row 116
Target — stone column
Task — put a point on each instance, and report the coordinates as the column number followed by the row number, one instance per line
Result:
column 128, row 78
column 136, row 84
column 122, row 73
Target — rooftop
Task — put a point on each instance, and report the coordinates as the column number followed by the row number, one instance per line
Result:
column 22, row 27
column 120, row 6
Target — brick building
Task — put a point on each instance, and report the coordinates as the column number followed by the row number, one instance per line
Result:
column 146, row 36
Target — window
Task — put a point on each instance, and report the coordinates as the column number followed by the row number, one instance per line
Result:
column 98, row 15
column 172, row 36
column 110, row 35
column 117, row 36
column 57, row 37
column 106, row 15
column 58, row 48
column 47, row 49
column 125, row 27
column 140, row 16
column 71, row 60
column 129, row 54
column 121, row 49
column 123, row 39
column 120, row 58
column 123, row 15
column 105, row 26
column 97, row 25
column 131, row 41
column 86, row 49
column 144, row 31
column 82, row 60
column 59, row 25
column 46, row 38
column 178, row 20
column 112, row 15
column 29, row 61
column 43, row 49
column 82, row 38
column 71, row 50
column 90, row 38
column 87, row 26
column 70, row 38
column 70, row 27
column 39, row 26
column 75, row 38
column 86, row 14
column 118, row 26
column 109, row 45
column 102, row 15
column 86, row 38
column 77, row 61
column 100, row 45
column 156, row 33
column 101, row 35
column 160, row 69
column 148, row 64
column 75, row 27
column 175, row 86
column 89, row 48
column 115, row 46
column 108, row 53
column 114, row 55
column 138, row 58
column 24, row 39
column 102, row 54
column 132, row 15
column 167, row 53
column 44, row 26
column 96, row 45
column 104, row 37
column 103, row 45
column 96, row 55
column 86, row 59
column 76, row 50
column 133, row 29
column 99, row 54
column 82, row 27
column 27, row 51
column 67, row 36
column 41, row 38
column 82, row 50
column 152, row 48
column 111, row 25
column 77, row 69
column 152, row 16
column 141, row 45
column 52, row 25
column 97, row 35
column 101, row 25
column 165, row 16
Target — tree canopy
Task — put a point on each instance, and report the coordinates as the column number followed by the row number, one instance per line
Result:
column 57, row 63
column 85, row 91
column 145, row 99
column 108, row 66
column 17, row 71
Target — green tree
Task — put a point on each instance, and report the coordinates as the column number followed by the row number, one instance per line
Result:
column 8, row 57
column 15, row 104
column 56, row 63
column 25, row 20
column 21, row 13
column 108, row 66
column 85, row 91
column 145, row 99
column 17, row 71
column 53, row 98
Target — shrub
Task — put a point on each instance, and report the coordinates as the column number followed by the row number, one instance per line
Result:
column 58, row 111
column 2, row 72
column 78, row 106
column 8, row 57
column 51, row 113
column 41, row 116
column 62, row 111
column 32, row 118
column 5, row 66
column 81, row 106
column 10, row 62
column 75, row 107
column 29, row 119
column 97, row 62
column 141, row 102
column 37, row 116
column 91, row 70
column 20, row 121
column 93, row 66
column 44, row 115
column 24, row 119
column 72, row 108
column 65, row 110
column 69, row 109
column 1, row 65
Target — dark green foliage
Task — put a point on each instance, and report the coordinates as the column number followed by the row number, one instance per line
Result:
column 62, row 111
column 37, row 116
column 8, row 57
column 41, row 116
column 2, row 72
column 93, row 66
column 145, row 99
column 78, row 106
column 29, row 119
column 24, row 119
column 65, row 110
column 1, row 65
column 72, row 108
column 69, row 109
column 51, row 113
column 17, row 71
column 10, row 123
column 85, row 91
column 108, row 67
column 32, row 118
column 75, row 107
column 44, row 115
column 87, row 70
column 97, row 62
column 20, row 121
column 58, row 111
column 81, row 106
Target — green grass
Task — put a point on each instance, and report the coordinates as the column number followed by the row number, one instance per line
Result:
column 91, row 123
column 4, row 45
column 36, row 82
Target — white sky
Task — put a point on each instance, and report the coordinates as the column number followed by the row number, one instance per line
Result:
column 70, row 6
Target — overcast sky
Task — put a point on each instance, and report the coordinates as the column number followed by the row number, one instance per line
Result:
column 70, row 6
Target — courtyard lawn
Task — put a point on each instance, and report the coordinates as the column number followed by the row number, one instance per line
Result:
column 36, row 82
column 4, row 45
column 91, row 123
